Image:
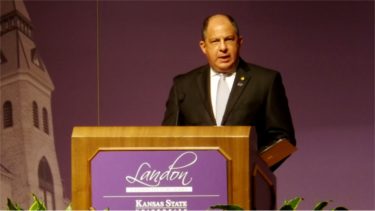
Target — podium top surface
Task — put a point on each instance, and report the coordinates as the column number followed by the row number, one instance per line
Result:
column 160, row 131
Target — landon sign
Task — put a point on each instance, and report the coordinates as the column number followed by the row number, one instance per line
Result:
column 158, row 180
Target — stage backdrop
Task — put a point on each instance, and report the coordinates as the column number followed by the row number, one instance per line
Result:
column 324, row 50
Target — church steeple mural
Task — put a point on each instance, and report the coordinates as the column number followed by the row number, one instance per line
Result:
column 28, row 161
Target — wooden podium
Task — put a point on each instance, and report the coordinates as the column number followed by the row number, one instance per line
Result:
column 251, row 185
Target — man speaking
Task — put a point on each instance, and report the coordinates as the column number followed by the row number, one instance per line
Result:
column 229, row 91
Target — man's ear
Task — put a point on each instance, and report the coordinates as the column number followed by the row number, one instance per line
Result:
column 202, row 45
column 240, row 40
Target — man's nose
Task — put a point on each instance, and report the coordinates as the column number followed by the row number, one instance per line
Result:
column 223, row 45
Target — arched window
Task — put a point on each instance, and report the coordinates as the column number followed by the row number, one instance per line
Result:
column 8, row 114
column 35, row 114
column 46, row 183
column 45, row 121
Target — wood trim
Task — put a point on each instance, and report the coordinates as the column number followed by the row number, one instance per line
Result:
column 232, row 142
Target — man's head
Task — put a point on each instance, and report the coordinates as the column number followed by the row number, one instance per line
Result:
column 221, row 42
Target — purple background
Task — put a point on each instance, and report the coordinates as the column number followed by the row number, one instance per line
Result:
column 324, row 50
column 109, row 169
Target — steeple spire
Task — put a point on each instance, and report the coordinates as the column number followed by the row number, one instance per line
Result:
column 18, row 52
column 14, row 15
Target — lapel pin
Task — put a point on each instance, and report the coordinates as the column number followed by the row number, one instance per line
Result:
column 239, row 84
column 242, row 78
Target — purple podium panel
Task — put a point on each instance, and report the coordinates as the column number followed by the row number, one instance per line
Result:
column 158, row 180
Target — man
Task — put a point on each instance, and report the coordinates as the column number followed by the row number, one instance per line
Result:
column 228, row 91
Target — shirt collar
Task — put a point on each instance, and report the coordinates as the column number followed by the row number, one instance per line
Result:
column 215, row 73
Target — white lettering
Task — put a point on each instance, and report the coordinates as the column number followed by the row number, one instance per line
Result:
column 147, row 176
column 160, row 205
column 149, row 204
column 177, row 204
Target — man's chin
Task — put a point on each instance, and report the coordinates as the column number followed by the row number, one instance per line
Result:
column 225, row 68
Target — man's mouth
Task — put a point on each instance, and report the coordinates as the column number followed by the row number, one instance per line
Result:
column 224, row 58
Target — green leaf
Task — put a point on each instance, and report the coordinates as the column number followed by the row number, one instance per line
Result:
column 286, row 207
column 226, row 207
column 292, row 204
column 37, row 204
column 341, row 208
column 321, row 205
column 13, row 206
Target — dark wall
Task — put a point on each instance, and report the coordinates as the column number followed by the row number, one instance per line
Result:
column 324, row 50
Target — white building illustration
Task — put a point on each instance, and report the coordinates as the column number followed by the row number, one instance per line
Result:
column 28, row 161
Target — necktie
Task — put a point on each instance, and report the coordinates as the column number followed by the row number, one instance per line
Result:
column 221, row 99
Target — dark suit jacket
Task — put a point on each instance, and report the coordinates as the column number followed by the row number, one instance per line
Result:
column 257, row 98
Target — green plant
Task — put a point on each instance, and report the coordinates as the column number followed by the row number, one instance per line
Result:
column 226, row 207
column 288, row 205
column 293, row 204
column 36, row 205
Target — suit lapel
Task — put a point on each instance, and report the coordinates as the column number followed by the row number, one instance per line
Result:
column 203, row 82
column 241, row 80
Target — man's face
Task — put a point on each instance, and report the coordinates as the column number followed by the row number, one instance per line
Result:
column 221, row 44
